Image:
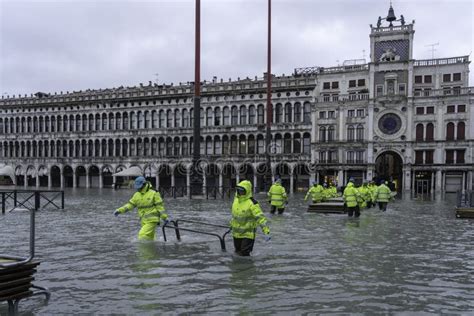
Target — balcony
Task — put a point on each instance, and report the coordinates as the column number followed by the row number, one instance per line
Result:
column 454, row 91
column 441, row 61
column 342, row 98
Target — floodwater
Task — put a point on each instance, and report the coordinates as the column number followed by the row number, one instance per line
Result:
column 416, row 257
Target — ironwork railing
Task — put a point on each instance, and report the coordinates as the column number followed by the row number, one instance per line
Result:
column 177, row 230
column 31, row 199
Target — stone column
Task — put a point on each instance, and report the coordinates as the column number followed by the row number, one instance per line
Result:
column 114, row 180
column 221, row 182
column 469, row 180
column 25, row 179
column 432, row 182
column 406, row 178
column 101, row 180
column 463, row 189
column 61, row 177
column 255, row 183
column 292, row 181
column 439, row 185
column 87, row 179
column 188, row 181
column 340, row 178
column 37, row 184
column 50, row 180
column 74, row 180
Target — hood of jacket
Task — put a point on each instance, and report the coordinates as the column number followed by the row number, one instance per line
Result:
column 248, row 190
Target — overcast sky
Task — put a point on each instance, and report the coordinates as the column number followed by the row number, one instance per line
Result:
column 70, row 45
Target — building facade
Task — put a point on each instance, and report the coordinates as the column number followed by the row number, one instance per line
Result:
column 394, row 117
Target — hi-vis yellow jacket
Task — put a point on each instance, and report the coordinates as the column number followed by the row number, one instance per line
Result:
column 247, row 214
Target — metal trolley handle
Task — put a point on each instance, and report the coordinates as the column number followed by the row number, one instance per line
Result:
column 178, row 235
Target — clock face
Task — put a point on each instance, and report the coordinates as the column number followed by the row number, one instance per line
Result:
column 390, row 123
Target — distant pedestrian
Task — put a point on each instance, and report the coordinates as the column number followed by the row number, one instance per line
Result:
column 277, row 197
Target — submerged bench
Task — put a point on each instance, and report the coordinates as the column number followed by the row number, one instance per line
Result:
column 17, row 275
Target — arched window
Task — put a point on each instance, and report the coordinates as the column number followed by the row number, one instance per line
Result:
column 209, row 149
column 146, row 147
column 154, row 119
column 217, row 146
column 419, row 132
column 297, row 112
column 71, row 123
column 251, row 114
column 461, row 131
column 251, row 145
column 235, row 116
column 202, row 121
column 430, row 132
column 78, row 123
column 105, row 123
column 209, row 117
column 322, row 134
column 351, row 133
column 162, row 119
column 91, row 123
column 233, row 145
column 111, row 122
column 169, row 119
column 125, row 121
column 242, row 145
column 140, row 120
column 226, row 113
column 177, row 118
column 288, row 118
column 287, row 144
column 217, row 116
column 260, row 114
column 185, row 118
column 225, row 145
column 118, row 121
column 278, row 113
column 306, row 143
column 360, row 132
column 243, row 115
column 331, row 133
column 260, row 144
column 185, row 146
column 125, row 152
column 307, row 113
column 97, row 122
column 278, row 148
column 450, row 131
column 296, row 143
column 147, row 119
column 84, row 123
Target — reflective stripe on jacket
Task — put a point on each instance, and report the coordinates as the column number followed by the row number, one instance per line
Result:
column 350, row 195
column 383, row 193
column 316, row 193
column 277, row 195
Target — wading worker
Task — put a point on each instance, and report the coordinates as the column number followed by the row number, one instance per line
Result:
column 150, row 208
column 246, row 216
column 277, row 197
column 383, row 194
column 316, row 192
column 351, row 196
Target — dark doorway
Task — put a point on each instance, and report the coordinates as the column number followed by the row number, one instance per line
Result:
column 389, row 167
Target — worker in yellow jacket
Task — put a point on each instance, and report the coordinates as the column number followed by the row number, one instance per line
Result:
column 277, row 197
column 351, row 196
column 150, row 208
column 246, row 217
column 383, row 195
column 316, row 191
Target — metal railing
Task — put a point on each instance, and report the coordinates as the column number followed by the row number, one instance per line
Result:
column 177, row 230
column 11, row 199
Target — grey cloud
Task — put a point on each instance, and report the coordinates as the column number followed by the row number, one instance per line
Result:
column 72, row 45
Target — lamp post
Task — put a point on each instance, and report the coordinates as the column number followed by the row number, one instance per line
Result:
column 196, row 174
column 268, row 169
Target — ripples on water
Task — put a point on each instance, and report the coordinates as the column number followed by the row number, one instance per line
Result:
column 416, row 257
